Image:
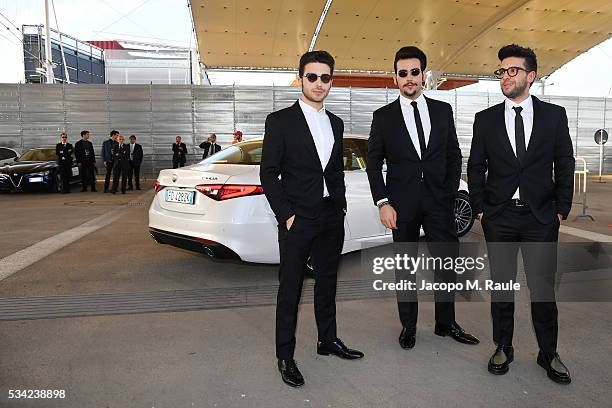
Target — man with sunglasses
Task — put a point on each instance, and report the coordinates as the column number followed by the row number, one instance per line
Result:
column 63, row 151
column 521, row 176
column 416, row 137
column 302, row 174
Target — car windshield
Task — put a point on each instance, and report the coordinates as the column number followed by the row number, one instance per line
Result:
column 243, row 153
column 38, row 155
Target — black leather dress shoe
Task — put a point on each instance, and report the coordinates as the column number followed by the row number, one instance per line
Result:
column 337, row 348
column 555, row 369
column 290, row 373
column 499, row 363
column 456, row 332
column 406, row 340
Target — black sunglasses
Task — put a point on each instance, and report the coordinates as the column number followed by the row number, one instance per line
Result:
column 403, row 73
column 325, row 78
column 512, row 72
column 64, row 137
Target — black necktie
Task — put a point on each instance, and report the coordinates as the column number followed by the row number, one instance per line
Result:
column 419, row 126
column 519, row 134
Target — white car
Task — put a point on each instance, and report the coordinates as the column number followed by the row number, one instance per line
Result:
column 218, row 207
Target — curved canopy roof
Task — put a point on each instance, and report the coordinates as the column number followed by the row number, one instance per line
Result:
column 458, row 36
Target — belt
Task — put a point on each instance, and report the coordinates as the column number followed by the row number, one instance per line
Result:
column 518, row 203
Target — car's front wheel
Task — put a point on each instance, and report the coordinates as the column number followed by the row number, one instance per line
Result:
column 464, row 217
column 55, row 183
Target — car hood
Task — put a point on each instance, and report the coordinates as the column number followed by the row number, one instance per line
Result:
column 28, row 167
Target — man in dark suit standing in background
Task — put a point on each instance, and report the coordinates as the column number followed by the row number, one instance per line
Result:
column 63, row 151
column 86, row 159
column 107, row 157
column 210, row 146
column 136, row 157
column 121, row 164
column 417, row 138
column 179, row 153
column 525, row 146
column 303, row 145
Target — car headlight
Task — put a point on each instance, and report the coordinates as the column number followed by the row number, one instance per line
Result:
column 42, row 173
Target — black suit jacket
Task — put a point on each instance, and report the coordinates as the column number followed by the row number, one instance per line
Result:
column 121, row 155
column 179, row 152
column 289, row 152
column 440, row 167
column 546, row 178
column 137, row 155
column 64, row 154
column 206, row 146
column 79, row 152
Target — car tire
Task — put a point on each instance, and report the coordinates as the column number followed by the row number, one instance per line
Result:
column 464, row 216
column 55, row 184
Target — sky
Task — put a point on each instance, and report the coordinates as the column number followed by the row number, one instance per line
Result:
column 169, row 21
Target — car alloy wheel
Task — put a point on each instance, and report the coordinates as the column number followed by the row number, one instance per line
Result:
column 464, row 218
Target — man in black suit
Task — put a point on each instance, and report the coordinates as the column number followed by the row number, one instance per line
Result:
column 525, row 146
column 136, row 156
column 107, row 157
column 121, row 164
column 86, row 159
column 303, row 145
column 179, row 153
column 210, row 146
column 63, row 151
column 417, row 138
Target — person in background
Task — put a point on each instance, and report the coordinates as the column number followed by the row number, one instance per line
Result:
column 107, row 157
column 136, row 156
column 121, row 164
column 86, row 159
column 63, row 151
column 179, row 153
column 237, row 137
column 210, row 146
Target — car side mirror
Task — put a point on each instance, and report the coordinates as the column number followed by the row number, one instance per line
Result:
column 15, row 158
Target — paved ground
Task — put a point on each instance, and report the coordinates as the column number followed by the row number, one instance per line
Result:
column 224, row 357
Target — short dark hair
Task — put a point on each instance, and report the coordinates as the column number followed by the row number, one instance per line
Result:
column 514, row 50
column 410, row 52
column 114, row 132
column 133, row 136
column 323, row 57
column 84, row 132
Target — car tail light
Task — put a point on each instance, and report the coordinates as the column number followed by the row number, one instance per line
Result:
column 158, row 186
column 220, row 192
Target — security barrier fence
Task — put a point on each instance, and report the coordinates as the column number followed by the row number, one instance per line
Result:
column 33, row 115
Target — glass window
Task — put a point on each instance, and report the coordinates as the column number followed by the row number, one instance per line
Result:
column 7, row 154
column 39, row 155
column 244, row 153
column 354, row 155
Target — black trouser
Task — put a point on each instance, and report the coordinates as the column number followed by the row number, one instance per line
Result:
column 438, row 222
column 518, row 229
column 134, row 171
column 177, row 163
column 65, row 171
column 107, row 177
column 120, row 170
column 88, row 175
column 321, row 239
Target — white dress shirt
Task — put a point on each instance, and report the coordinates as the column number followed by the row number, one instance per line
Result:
column 132, row 145
column 527, row 115
column 322, row 134
column 408, row 114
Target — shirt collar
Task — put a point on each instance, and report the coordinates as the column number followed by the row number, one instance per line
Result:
column 527, row 104
column 406, row 102
column 307, row 109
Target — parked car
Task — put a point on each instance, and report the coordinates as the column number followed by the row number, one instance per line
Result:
column 35, row 169
column 218, row 207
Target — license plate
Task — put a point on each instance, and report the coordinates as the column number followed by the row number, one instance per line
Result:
column 179, row 196
column 36, row 179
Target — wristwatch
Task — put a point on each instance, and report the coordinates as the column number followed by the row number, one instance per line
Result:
column 381, row 205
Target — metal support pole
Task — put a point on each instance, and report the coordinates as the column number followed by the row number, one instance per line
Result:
column 153, row 155
column 48, row 55
column 20, row 116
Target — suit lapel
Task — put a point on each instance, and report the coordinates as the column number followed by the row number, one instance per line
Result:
column 337, row 137
column 538, row 126
column 306, row 135
column 503, row 132
column 403, row 130
column 434, row 120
